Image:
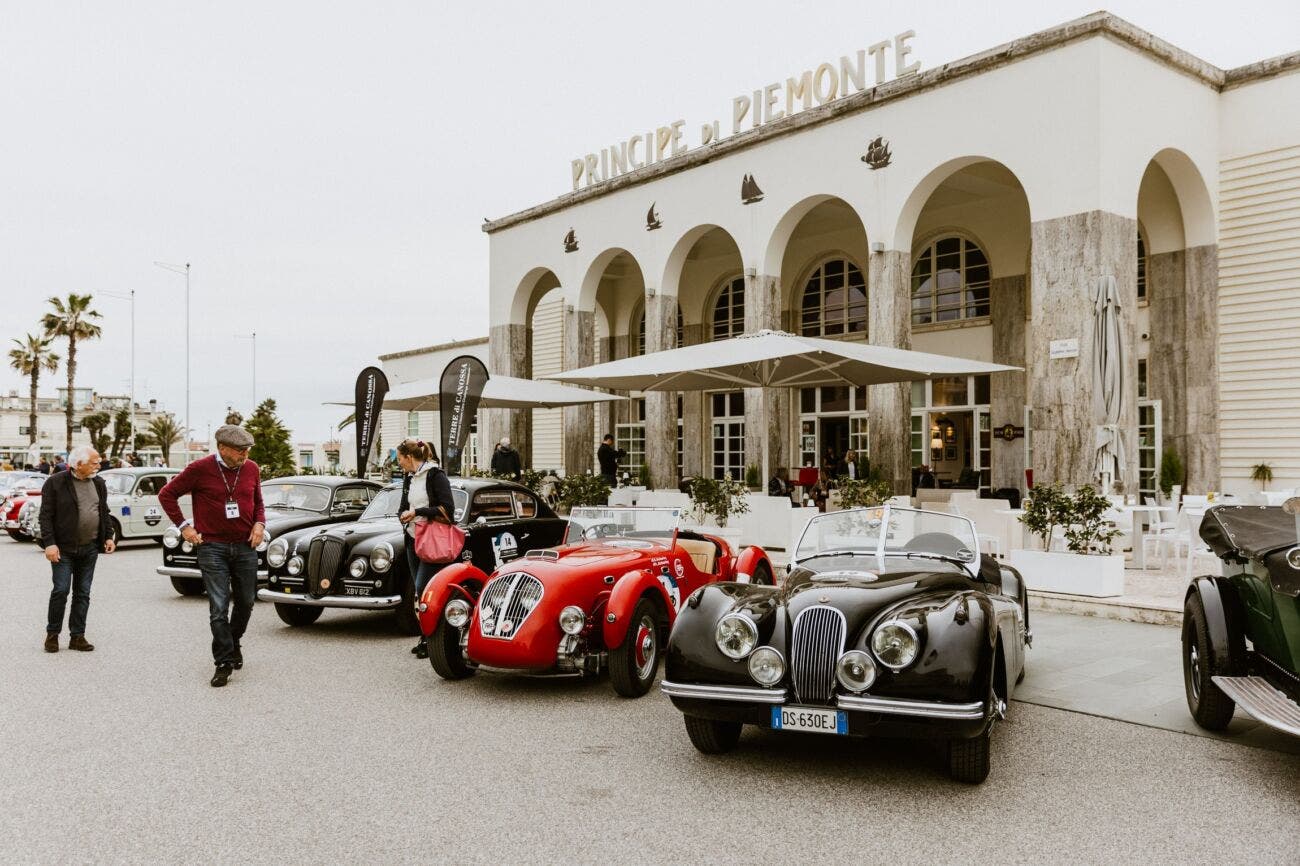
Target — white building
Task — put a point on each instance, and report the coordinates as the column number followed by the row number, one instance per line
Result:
column 1016, row 180
column 51, row 422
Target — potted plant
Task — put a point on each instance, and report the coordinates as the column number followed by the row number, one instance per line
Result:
column 643, row 476
column 578, row 490
column 716, row 501
column 1171, row 472
column 753, row 480
column 1087, row 566
column 1263, row 473
column 863, row 492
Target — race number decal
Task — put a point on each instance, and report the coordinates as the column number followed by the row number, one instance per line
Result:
column 153, row 515
column 674, row 591
column 505, row 548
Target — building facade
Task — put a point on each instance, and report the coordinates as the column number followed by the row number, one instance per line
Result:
column 51, row 423
column 973, row 209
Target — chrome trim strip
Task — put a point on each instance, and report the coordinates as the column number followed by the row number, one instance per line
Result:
column 901, row 707
column 743, row 694
column 352, row 602
column 174, row 571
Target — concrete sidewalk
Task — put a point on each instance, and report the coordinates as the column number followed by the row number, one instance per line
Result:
column 1128, row 671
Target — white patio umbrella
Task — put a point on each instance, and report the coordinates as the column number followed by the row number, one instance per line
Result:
column 500, row 392
column 772, row 359
column 1107, row 381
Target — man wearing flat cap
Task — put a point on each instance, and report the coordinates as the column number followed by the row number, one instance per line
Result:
column 225, row 492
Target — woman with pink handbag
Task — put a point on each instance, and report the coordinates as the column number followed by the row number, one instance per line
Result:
column 427, row 512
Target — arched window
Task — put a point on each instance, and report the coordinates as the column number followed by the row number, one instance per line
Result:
column 640, row 329
column 1142, row 267
column 729, row 310
column 950, row 282
column 834, row 300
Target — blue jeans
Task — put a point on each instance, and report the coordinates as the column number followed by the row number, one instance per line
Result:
column 230, row 576
column 421, row 572
column 74, row 570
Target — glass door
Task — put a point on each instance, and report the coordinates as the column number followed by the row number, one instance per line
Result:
column 1149, row 455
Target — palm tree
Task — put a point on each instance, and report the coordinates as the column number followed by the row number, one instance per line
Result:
column 31, row 357
column 72, row 319
column 165, row 432
column 95, row 424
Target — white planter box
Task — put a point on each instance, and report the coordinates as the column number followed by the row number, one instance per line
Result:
column 1073, row 573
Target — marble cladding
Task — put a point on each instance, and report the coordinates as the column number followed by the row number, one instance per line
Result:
column 767, row 410
column 579, row 421
column 510, row 354
column 889, row 323
column 1201, row 457
column 660, row 406
column 1007, row 390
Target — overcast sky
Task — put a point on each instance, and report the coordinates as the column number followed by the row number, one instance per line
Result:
column 325, row 167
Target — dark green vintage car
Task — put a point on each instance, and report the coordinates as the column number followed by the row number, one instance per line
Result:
column 1241, row 630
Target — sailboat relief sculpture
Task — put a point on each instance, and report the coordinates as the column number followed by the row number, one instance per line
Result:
column 749, row 191
column 570, row 242
column 877, row 155
column 652, row 219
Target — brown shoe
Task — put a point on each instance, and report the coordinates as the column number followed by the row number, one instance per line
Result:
column 80, row 644
column 51, row 641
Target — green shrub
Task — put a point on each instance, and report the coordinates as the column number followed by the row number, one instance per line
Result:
column 579, row 490
column 752, row 478
column 1171, row 471
column 863, row 492
column 1080, row 515
column 718, row 498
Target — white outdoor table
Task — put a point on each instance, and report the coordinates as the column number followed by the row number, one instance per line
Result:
column 1141, row 517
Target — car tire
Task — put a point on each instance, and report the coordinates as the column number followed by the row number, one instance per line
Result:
column 711, row 736
column 188, row 585
column 1210, row 707
column 762, row 575
column 445, row 656
column 16, row 535
column 634, row 663
column 298, row 614
column 968, row 759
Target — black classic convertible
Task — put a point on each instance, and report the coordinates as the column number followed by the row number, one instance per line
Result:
column 362, row 565
column 291, row 503
column 889, row 624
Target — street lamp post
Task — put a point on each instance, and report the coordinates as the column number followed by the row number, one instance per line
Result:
column 184, row 269
column 129, row 297
column 253, row 338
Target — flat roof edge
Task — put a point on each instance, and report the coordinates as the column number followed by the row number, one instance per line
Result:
column 441, row 347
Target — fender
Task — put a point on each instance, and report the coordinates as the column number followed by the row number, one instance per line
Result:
column 622, row 600
column 748, row 560
column 439, row 591
column 959, row 645
column 1221, row 620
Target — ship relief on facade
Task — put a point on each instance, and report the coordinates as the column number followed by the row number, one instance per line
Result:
column 877, row 155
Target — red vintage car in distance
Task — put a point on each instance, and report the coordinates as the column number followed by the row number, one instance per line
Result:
column 605, row 600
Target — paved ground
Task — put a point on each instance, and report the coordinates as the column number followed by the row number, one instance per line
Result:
column 335, row 744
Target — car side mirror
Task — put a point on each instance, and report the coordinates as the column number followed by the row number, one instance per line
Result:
column 481, row 520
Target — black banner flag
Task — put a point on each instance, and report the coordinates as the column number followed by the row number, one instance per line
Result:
column 460, row 389
column 372, row 385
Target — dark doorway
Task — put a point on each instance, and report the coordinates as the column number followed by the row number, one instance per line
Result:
column 835, row 438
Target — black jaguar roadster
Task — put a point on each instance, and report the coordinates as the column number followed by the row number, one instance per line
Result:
column 889, row 624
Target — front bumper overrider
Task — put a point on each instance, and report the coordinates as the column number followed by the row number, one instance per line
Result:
column 181, row 571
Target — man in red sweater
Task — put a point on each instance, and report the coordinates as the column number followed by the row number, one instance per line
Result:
column 225, row 491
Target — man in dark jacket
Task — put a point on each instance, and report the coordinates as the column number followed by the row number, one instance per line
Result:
column 609, row 456
column 75, row 526
column 506, row 462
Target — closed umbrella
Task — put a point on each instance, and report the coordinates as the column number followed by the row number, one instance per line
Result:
column 1107, row 380
column 772, row 359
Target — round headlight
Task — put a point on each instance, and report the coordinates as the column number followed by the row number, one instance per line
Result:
column 295, row 565
column 357, row 568
column 736, row 635
column 856, row 671
column 766, row 666
column 266, row 542
column 381, row 558
column 277, row 552
column 172, row 537
column 572, row 619
column 186, row 547
column 457, row 612
column 895, row 644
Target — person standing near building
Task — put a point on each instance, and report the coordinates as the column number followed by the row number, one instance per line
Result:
column 75, row 527
column 505, row 461
column 43, row 467
column 229, row 523
column 426, row 492
column 608, row 456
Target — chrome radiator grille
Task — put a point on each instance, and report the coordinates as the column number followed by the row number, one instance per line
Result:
column 323, row 558
column 506, row 603
column 815, row 647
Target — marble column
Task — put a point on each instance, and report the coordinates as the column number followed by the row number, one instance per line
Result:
column 510, row 353
column 693, row 410
column 605, row 418
column 579, row 421
column 763, row 310
column 889, row 323
column 1007, row 390
column 661, row 406
column 1201, row 457
column 1069, row 255
column 1167, row 347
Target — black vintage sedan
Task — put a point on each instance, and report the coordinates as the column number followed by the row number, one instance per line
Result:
column 362, row 566
column 889, row 624
column 291, row 503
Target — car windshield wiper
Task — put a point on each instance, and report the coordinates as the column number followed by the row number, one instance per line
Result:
column 925, row 554
column 837, row 553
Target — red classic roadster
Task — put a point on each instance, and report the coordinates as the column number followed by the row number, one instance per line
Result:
column 603, row 600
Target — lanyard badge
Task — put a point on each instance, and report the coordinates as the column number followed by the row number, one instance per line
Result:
column 232, row 507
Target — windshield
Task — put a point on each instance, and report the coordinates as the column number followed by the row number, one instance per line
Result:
column 304, row 497
column 384, row 504
column 589, row 524
column 886, row 531
column 118, row 482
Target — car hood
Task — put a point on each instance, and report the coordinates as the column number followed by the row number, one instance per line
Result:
column 561, row 563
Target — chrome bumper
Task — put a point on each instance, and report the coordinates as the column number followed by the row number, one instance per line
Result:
column 886, row 706
column 352, row 602
column 174, row 571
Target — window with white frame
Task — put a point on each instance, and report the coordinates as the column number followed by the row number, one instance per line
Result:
column 950, row 282
column 630, row 437
column 729, row 310
column 1148, row 448
column 728, row 438
column 413, row 424
column 834, row 300
column 826, row 403
column 640, row 329
column 305, row 459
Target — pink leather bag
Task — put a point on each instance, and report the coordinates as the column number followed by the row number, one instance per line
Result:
column 438, row 542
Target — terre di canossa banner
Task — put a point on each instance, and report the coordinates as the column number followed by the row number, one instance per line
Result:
column 372, row 385
column 460, row 389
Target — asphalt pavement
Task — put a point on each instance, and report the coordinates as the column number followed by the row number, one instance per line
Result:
column 334, row 743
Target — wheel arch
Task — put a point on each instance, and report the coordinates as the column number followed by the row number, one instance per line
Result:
column 1224, row 618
